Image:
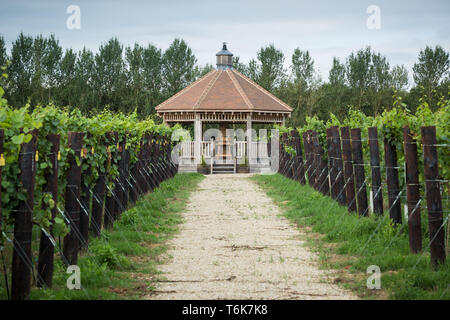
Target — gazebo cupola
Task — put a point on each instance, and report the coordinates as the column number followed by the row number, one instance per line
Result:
column 224, row 58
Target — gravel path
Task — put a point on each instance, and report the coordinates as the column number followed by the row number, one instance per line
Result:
column 234, row 244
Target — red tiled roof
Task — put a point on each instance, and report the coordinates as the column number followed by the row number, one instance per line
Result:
column 224, row 90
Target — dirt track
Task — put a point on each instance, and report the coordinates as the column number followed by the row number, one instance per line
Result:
column 235, row 245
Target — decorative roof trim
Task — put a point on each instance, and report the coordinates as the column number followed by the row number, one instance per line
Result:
column 207, row 89
column 240, row 90
column 193, row 84
column 221, row 111
column 262, row 90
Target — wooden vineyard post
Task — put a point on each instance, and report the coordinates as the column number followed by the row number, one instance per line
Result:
column 126, row 176
column 165, row 161
column 322, row 163
column 118, row 189
column 348, row 169
column 169, row 158
column 151, row 163
column 22, row 260
column 134, row 172
column 158, row 159
column 390, row 160
column 143, row 165
column 306, row 144
column 72, row 205
column 377, row 190
column 298, row 155
column 145, row 184
column 85, row 208
column 98, row 198
column 46, row 247
column 110, row 202
column 300, row 174
column 433, row 194
column 293, row 158
column 358, row 163
column 333, row 170
column 314, row 162
column 340, row 183
column 148, row 164
column 317, row 161
column 139, row 178
column 412, row 191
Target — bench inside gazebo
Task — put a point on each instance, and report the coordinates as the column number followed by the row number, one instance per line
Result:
column 225, row 97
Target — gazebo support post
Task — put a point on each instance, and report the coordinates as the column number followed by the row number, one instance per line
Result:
column 197, row 138
column 249, row 136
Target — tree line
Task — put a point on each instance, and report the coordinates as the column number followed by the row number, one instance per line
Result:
column 364, row 81
column 123, row 78
column 140, row 77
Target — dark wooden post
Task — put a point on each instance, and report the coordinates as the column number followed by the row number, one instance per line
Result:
column 315, row 146
column 314, row 158
column 126, row 177
column 298, row 148
column 306, row 144
column 110, row 202
column 434, row 202
column 143, row 163
column 324, row 181
column 72, row 205
column 348, row 169
column 332, row 163
column 134, row 191
column 340, row 167
column 322, row 167
column 46, row 248
column 165, row 161
column 358, row 162
column 412, row 192
column 118, row 188
column 98, row 203
column 390, row 159
column 152, row 163
column 22, row 259
column 377, row 190
column 85, row 208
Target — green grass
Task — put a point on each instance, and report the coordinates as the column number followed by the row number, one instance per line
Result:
column 132, row 248
column 360, row 242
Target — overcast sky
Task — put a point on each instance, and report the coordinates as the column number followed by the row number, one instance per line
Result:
column 325, row 28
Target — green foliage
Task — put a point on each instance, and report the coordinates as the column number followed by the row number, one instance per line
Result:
column 104, row 253
column 203, row 162
column 99, row 152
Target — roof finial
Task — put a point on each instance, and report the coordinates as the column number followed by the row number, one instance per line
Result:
column 224, row 46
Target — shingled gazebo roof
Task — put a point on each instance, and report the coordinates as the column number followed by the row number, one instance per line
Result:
column 224, row 90
column 224, row 95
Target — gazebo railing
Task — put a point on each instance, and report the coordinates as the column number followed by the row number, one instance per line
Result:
column 241, row 149
column 207, row 149
column 187, row 149
column 238, row 150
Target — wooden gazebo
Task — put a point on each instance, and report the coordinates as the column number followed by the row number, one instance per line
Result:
column 222, row 96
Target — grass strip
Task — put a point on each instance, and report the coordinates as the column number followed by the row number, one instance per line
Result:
column 122, row 262
column 350, row 244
